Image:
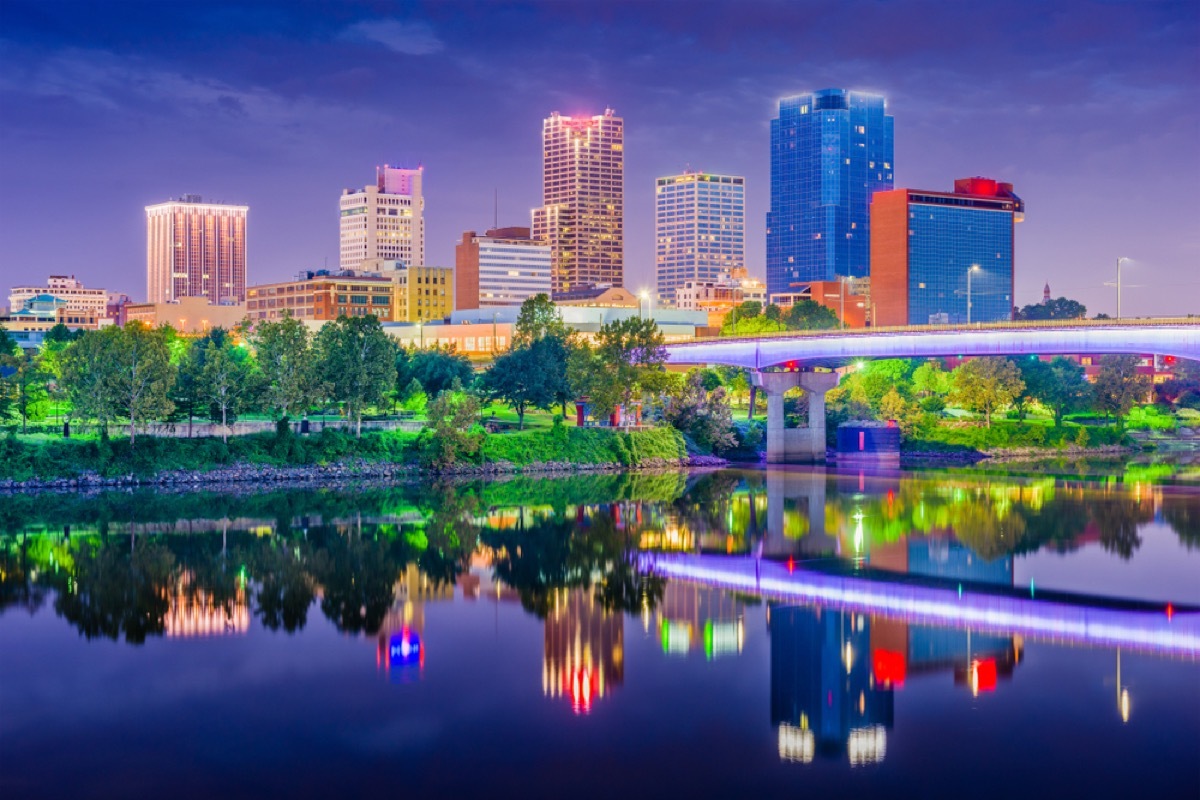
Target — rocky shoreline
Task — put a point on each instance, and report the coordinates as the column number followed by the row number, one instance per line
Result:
column 243, row 474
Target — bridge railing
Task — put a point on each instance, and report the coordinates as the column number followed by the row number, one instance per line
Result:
column 1047, row 324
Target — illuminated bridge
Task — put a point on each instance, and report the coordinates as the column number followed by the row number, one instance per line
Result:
column 1065, row 618
column 785, row 361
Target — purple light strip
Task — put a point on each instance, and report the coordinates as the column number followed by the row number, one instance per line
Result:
column 1180, row 340
column 1098, row 627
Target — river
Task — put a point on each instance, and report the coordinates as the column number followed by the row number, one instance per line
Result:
column 735, row 632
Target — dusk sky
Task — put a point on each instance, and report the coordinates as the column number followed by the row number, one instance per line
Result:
column 1091, row 110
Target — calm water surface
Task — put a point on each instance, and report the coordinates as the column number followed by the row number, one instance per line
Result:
column 734, row 633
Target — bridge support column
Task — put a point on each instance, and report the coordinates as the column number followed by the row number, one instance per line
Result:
column 796, row 444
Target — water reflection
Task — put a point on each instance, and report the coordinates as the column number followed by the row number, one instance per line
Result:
column 129, row 566
column 867, row 584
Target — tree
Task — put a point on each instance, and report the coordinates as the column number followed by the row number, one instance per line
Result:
column 8, row 349
column 701, row 414
column 518, row 380
column 985, row 384
column 931, row 383
column 540, row 326
column 1119, row 386
column 894, row 405
column 86, row 368
column 809, row 315
column 139, row 371
column 284, row 354
column 552, row 355
column 750, row 318
column 227, row 381
column 435, row 368
column 1037, row 375
column 538, row 319
column 1063, row 389
column 447, row 438
column 61, row 334
column 626, row 360
column 187, row 394
column 1059, row 308
column 28, row 384
column 357, row 361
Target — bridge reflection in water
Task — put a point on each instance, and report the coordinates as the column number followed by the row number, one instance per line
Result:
column 842, row 643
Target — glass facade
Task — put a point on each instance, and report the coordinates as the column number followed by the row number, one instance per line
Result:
column 830, row 151
column 582, row 216
column 700, row 230
column 947, row 235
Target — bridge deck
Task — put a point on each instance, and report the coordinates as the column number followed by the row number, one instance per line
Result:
column 1177, row 336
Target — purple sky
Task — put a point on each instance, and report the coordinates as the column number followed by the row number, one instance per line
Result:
column 1091, row 109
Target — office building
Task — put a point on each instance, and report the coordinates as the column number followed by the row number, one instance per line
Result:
column 196, row 249
column 321, row 296
column 831, row 150
column 504, row 266
column 944, row 257
column 66, row 288
column 722, row 294
column 422, row 293
column 384, row 289
column 582, row 217
column 384, row 222
column 699, row 229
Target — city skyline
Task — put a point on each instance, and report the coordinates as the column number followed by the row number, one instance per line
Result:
column 150, row 120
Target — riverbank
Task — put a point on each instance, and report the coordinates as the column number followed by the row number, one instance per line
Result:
column 332, row 455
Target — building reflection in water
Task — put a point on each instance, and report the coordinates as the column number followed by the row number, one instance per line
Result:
column 833, row 673
column 400, row 644
column 193, row 611
column 823, row 688
column 584, row 655
column 693, row 618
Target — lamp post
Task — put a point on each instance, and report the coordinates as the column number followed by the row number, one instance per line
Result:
column 973, row 268
column 421, row 333
column 644, row 296
column 1119, row 260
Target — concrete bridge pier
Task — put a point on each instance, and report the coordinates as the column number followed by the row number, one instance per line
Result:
column 795, row 445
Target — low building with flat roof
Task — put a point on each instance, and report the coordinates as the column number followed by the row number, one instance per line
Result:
column 187, row 314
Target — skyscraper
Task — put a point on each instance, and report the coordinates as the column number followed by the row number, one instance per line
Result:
column 196, row 249
column 830, row 151
column 944, row 257
column 386, row 221
column 583, row 200
column 700, row 229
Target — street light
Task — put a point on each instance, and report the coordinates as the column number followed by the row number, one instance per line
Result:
column 643, row 296
column 974, row 268
column 1119, row 260
column 421, row 333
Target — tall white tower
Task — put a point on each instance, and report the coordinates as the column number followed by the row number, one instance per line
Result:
column 384, row 222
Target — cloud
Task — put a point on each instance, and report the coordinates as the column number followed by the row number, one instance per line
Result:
column 410, row 38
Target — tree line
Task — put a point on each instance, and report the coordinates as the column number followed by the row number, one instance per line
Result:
column 134, row 375
column 915, row 392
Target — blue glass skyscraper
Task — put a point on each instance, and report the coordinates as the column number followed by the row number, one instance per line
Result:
column 830, row 151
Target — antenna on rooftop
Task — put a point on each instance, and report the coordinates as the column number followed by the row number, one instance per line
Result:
column 496, row 207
